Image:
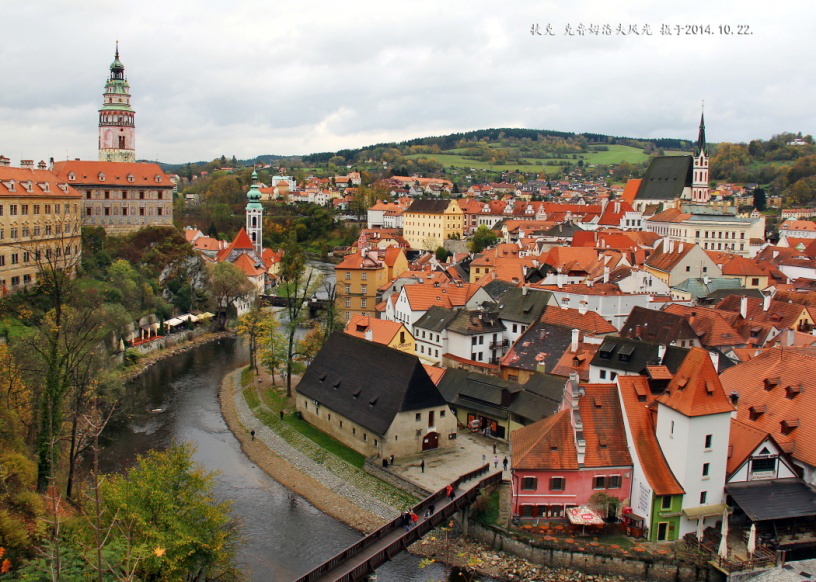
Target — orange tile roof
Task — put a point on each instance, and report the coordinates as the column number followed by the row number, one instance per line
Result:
column 779, row 314
column 742, row 441
column 189, row 233
column 709, row 324
column 577, row 362
column 206, row 243
column 241, row 242
column 604, row 433
column 695, row 389
column 630, row 191
column 382, row 330
column 43, row 183
column 145, row 175
column 434, row 373
column 636, row 397
column 247, row 265
column 422, row 297
column 588, row 322
column 665, row 261
column 545, row 444
column 762, row 384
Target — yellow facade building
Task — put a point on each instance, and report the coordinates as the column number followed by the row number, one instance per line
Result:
column 427, row 224
column 388, row 333
column 40, row 225
column 360, row 276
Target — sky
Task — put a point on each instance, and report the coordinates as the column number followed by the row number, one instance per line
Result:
column 247, row 78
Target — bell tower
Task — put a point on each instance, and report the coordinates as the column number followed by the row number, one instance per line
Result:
column 699, row 186
column 254, row 215
column 117, row 129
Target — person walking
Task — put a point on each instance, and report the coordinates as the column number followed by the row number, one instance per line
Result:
column 406, row 520
column 392, row 459
column 385, row 463
column 484, row 458
column 448, row 490
column 494, row 448
column 414, row 518
column 281, row 414
column 504, row 463
column 422, row 465
column 252, row 434
column 495, row 462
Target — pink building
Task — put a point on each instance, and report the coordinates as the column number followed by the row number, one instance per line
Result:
column 561, row 461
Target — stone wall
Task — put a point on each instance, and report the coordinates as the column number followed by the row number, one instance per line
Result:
column 630, row 567
column 373, row 468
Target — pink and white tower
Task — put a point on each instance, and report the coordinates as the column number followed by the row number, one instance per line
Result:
column 117, row 128
column 699, row 185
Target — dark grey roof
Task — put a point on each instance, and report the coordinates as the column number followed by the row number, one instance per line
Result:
column 430, row 206
column 436, row 319
column 368, row 383
column 496, row 397
column 515, row 305
column 497, row 288
column 774, row 498
column 636, row 355
column 551, row 341
column 666, row 178
column 470, row 323
column 656, row 326
column 563, row 230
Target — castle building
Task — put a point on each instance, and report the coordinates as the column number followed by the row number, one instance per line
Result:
column 117, row 128
column 699, row 186
column 254, row 215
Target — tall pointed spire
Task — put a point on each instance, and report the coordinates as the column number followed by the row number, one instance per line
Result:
column 701, row 146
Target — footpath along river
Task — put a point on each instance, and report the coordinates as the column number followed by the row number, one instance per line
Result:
column 285, row 535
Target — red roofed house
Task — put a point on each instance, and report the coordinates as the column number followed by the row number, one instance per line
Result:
column 389, row 333
column 559, row 462
column 692, row 427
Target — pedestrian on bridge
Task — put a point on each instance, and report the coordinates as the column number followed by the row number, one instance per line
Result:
column 495, row 462
column 422, row 465
column 504, row 463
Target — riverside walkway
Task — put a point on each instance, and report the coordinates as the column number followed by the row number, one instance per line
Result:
column 361, row 559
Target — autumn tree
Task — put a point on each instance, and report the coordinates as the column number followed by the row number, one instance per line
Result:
column 228, row 284
column 251, row 327
column 483, row 238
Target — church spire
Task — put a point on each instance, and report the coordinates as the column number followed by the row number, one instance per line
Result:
column 254, row 215
column 117, row 126
column 702, row 146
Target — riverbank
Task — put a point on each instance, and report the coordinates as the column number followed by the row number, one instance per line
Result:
column 132, row 372
column 282, row 470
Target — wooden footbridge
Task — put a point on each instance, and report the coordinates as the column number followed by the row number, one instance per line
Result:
column 365, row 556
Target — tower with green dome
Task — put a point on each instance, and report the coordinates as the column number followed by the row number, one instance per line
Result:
column 117, row 128
column 254, row 215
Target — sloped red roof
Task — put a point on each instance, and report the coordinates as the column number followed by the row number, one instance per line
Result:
column 742, row 441
column 247, row 265
column 589, row 322
column 636, row 397
column 604, row 433
column 545, row 444
column 695, row 389
column 241, row 242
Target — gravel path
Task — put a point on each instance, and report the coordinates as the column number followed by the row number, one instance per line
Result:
column 309, row 458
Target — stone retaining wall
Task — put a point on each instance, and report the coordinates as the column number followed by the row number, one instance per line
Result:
column 631, row 567
column 371, row 467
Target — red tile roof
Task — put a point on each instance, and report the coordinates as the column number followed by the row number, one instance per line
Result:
column 241, row 242
column 43, row 183
column 588, row 322
column 636, row 397
column 545, row 444
column 382, row 330
column 695, row 389
column 742, row 441
column 145, row 175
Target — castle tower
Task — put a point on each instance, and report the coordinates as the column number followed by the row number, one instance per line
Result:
column 699, row 186
column 117, row 129
column 254, row 215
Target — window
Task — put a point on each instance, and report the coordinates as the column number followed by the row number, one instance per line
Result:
column 763, row 465
column 672, row 429
column 441, row 414
column 614, row 482
column 348, row 276
column 708, row 441
column 665, row 502
column 365, row 437
column 24, row 209
column 353, row 431
column 363, row 303
column 418, row 416
column 706, row 467
column 348, row 302
column 529, row 484
column 364, row 289
column 12, row 210
column 348, row 288
column 599, row 482
column 755, row 281
column 557, row 483
column 603, row 374
column 703, row 495
column 365, row 276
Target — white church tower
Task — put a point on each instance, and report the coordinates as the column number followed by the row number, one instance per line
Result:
column 699, row 186
column 254, row 215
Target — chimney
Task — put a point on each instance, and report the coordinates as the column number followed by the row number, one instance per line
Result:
column 715, row 359
column 744, row 307
column 51, row 164
column 582, row 308
column 734, row 397
column 524, row 290
column 606, row 275
column 766, row 302
column 661, row 353
column 679, row 248
column 574, row 344
column 27, row 164
column 41, row 165
column 369, row 334
column 4, row 161
column 559, row 281
column 671, row 246
column 791, row 336
column 706, row 280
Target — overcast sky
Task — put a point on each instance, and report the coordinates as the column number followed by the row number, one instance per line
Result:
column 283, row 77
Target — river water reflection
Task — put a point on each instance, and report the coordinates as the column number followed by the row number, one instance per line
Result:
column 285, row 535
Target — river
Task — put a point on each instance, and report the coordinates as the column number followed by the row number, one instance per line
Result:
column 285, row 536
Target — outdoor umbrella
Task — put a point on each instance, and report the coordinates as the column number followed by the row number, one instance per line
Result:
column 723, row 552
column 751, row 546
column 699, row 531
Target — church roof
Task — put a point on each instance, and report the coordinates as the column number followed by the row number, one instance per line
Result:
column 240, row 243
column 701, row 145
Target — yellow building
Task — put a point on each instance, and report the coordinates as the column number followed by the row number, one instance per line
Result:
column 360, row 276
column 388, row 333
column 40, row 224
column 427, row 224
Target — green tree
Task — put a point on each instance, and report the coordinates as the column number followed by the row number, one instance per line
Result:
column 442, row 254
column 760, row 199
column 250, row 327
column 483, row 238
column 228, row 284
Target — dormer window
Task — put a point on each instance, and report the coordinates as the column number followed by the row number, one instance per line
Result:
column 681, row 383
column 29, row 186
column 788, row 426
column 101, row 177
column 755, row 412
column 130, row 178
column 771, row 382
column 792, row 391
column 158, row 179
column 71, row 176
